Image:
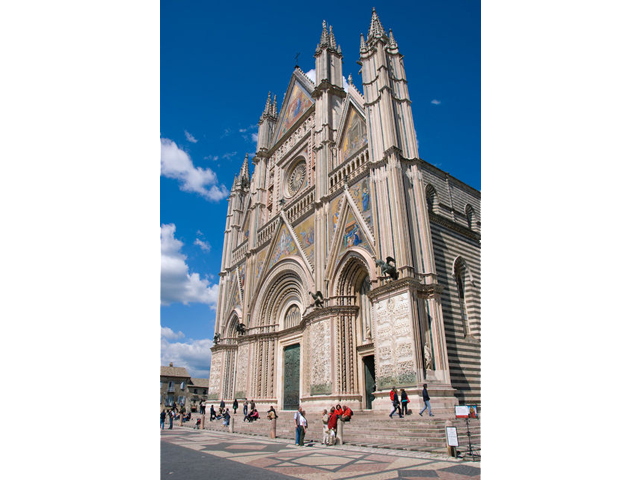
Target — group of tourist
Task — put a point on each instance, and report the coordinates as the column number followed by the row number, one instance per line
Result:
column 400, row 404
column 329, row 423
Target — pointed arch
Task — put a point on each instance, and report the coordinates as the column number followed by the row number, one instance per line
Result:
column 432, row 198
column 464, row 284
column 286, row 285
column 470, row 213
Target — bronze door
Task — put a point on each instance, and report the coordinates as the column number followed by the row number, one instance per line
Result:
column 369, row 380
column 291, row 377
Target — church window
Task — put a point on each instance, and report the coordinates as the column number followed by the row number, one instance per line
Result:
column 460, row 274
column 470, row 214
column 432, row 198
column 365, row 309
column 297, row 177
column 292, row 317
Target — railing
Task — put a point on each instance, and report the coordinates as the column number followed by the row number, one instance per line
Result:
column 348, row 170
column 301, row 206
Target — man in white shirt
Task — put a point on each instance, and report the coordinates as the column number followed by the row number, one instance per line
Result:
column 297, row 419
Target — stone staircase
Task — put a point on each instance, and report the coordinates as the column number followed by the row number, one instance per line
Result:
column 367, row 429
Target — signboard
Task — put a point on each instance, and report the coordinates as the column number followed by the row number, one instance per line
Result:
column 462, row 411
column 452, row 436
column 473, row 411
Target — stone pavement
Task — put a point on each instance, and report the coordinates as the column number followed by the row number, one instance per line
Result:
column 318, row 462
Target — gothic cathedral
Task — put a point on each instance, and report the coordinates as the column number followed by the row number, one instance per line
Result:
column 350, row 265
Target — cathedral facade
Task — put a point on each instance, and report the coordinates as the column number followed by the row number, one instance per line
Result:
column 350, row 265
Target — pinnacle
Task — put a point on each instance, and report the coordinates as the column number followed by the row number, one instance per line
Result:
column 332, row 39
column 324, row 38
column 267, row 107
column 392, row 41
column 375, row 28
column 274, row 106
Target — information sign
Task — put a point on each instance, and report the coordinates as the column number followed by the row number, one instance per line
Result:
column 462, row 411
column 452, row 436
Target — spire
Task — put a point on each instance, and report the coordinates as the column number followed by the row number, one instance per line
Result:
column 392, row 41
column 244, row 171
column 274, row 106
column 375, row 29
column 267, row 107
column 363, row 46
column 324, row 38
column 332, row 39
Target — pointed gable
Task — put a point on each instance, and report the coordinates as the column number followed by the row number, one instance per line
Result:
column 354, row 134
column 361, row 193
column 297, row 101
column 305, row 232
column 352, row 234
column 284, row 247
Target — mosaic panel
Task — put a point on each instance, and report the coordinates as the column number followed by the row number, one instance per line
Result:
column 334, row 214
column 299, row 101
column 352, row 236
column 260, row 261
column 355, row 134
column 306, row 235
column 284, row 248
column 361, row 195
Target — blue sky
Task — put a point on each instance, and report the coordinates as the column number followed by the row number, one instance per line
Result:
column 218, row 62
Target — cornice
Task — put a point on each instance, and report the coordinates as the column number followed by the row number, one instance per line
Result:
column 450, row 224
column 408, row 283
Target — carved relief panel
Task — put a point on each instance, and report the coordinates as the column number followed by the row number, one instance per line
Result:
column 243, row 365
column 215, row 380
column 395, row 362
column 321, row 358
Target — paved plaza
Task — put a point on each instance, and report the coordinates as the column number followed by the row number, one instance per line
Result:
column 280, row 458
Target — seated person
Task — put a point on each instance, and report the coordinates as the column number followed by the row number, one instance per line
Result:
column 271, row 413
column 254, row 415
column 197, row 425
column 347, row 413
column 339, row 410
column 227, row 417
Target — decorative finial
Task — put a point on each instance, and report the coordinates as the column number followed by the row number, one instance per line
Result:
column 392, row 41
column 324, row 38
column 375, row 29
column 332, row 38
column 363, row 46
column 274, row 106
column 350, row 80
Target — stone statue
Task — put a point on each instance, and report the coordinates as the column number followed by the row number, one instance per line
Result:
column 388, row 268
column 241, row 328
column 428, row 359
column 216, row 339
column 318, row 299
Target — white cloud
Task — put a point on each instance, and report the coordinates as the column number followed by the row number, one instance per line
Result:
column 190, row 137
column 211, row 157
column 205, row 246
column 254, row 137
column 177, row 285
column 436, row 102
column 176, row 163
column 166, row 332
column 194, row 355
column 312, row 75
column 242, row 130
column 227, row 156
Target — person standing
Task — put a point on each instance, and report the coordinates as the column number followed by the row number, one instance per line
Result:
column 298, row 423
column 404, row 400
column 245, row 407
column 163, row 415
column 325, row 427
column 227, row 417
column 425, row 397
column 253, row 405
column 212, row 413
column 171, row 414
column 303, row 421
column 222, row 405
column 396, row 403
column 235, row 405
column 333, row 425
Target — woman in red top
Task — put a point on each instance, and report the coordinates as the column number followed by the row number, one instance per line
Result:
column 339, row 410
column 333, row 425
